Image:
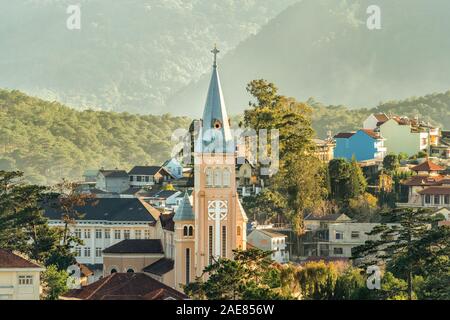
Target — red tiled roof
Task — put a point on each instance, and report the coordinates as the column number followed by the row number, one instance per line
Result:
column 425, row 180
column 9, row 260
column 344, row 135
column 126, row 286
column 427, row 166
column 381, row 117
column 436, row 191
column 372, row 133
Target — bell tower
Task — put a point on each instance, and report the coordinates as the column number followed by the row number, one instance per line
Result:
column 220, row 221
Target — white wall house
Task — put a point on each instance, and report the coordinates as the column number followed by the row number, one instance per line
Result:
column 114, row 181
column 147, row 176
column 19, row 278
column 107, row 222
column 268, row 240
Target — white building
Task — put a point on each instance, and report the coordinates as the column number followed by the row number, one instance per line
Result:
column 106, row 222
column 268, row 240
column 19, row 278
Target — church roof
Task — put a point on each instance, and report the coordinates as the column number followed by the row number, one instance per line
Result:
column 427, row 166
column 215, row 133
column 184, row 212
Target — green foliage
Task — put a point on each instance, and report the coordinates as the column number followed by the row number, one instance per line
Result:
column 346, row 180
column 54, row 283
column 49, row 141
column 391, row 163
column 251, row 275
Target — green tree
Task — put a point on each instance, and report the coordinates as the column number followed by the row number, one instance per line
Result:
column 407, row 246
column 54, row 283
column 251, row 275
column 391, row 163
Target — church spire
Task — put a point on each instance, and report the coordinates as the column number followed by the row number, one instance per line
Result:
column 215, row 135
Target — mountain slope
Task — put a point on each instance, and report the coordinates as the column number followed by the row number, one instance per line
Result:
column 128, row 56
column 323, row 49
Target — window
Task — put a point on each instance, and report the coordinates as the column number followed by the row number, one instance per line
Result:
column 191, row 231
column 107, row 234
column 98, row 233
column 139, row 179
column 147, row 234
column 78, row 233
column 238, row 231
column 427, row 199
column 210, row 244
column 25, row 280
column 98, row 252
column 147, row 179
column 209, row 177
column 224, row 241
column 117, row 234
column 218, row 177
column 130, row 271
column 87, row 251
column 131, row 178
column 188, row 266
column 126, row 234
column 87, row 233
column 437, row 199
column 113, row 271
column 185, row 231
column 138, row 234
column 226, row 177
column 355, row 234
column 78, row 251
column 338, row 250
column 339, row 235
column 447, row 199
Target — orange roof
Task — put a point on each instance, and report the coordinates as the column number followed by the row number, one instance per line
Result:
column 427, row 166
column 372, row 133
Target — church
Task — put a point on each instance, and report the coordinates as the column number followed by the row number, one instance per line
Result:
column 213, row 223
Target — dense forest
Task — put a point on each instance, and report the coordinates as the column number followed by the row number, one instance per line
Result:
column 49, row 141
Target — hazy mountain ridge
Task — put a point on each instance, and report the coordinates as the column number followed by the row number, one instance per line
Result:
column 323, row 49
column 128, row 56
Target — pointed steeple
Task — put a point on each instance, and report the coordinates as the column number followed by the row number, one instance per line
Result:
column 215, row 135
column 184, row 212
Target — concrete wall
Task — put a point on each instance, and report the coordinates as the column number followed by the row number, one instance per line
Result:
column 10, row 288
column 399, row 138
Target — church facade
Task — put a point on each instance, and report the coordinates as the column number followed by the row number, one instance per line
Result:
column 212, row 222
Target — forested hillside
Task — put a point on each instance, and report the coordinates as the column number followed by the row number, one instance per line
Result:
column 49, row 141
column 128, row 55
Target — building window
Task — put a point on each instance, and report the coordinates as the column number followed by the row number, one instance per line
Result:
column 113, row 271
column 98, row 233
column 131, row 178
column 98, row 252
column 78, row 251
column 224, row 241
column 107, row 234
column 87, row 252
column 191, row 231
column 210, row 243
column 126, row 234
column 138, row 234
column 78, row 233
column 447, row 199
column 226, row 177
column 185, row 231
column 339, row 235
column 147, row 234
column 218, row 177
column 87, row 233
column 238, row 231
column 139, row 179
column 427, row 199
column 338, row 250
column 209, row 177
column 188, row 266
column 25, row 280
column 117, row 234
column 130, row 271
column 437, row 199
column 147, row 179
column 355, row 234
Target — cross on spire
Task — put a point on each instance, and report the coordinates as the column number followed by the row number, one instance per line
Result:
column 215, row 51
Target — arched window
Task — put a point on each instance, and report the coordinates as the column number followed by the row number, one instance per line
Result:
column 188, row 266
column 226, row 177
column 238, row 232
column 209, row 177
column 191, row 231
column 185, row 231
column 218, row 177
column 130, row 271
column 113, row 271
